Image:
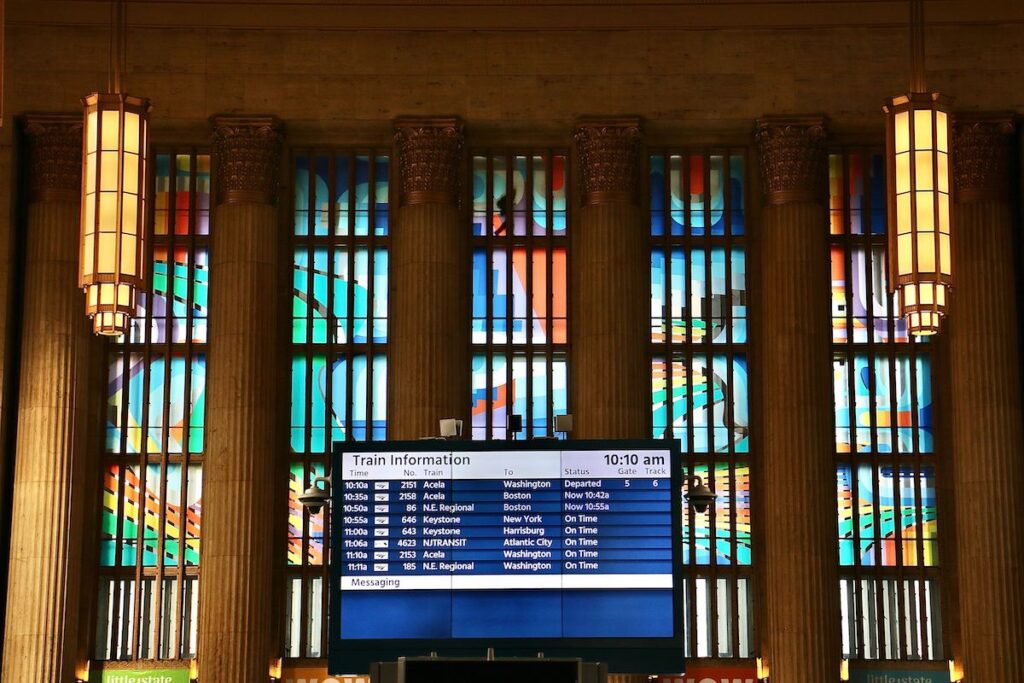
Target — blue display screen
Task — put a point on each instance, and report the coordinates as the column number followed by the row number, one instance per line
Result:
column 555, row 546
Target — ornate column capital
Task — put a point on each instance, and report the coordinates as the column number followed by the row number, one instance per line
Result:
column 54, row 157
column 429, row 159
column 248, row 151
column 792, row 157
column 981, row 156
column 609, row 151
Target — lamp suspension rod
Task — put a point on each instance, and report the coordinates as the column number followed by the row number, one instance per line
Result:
column 118, row 44
column 111, row 49
column 122, row 65
column 917, row 46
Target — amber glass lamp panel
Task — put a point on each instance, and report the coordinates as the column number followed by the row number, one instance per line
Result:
column 918, row 160
column 112, row 265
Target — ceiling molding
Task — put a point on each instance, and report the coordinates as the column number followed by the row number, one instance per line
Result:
column 510, row 15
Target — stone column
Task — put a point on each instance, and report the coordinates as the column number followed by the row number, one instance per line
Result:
column 8, row 339
column 610, row 285
column 51, row 455
column 428, row 347
column 988, row 437
column 235, row 618
column 801, row 590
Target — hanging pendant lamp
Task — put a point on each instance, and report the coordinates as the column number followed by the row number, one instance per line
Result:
column 114, row 159
column 920, row 221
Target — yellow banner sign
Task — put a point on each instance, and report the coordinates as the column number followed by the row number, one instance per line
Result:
column 313, row 674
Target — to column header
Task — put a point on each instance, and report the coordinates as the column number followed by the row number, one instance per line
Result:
column 609, row 153
column 793, row 158
column 55, row 157
column 981, row 156
column 429, row 159
column 247, row 152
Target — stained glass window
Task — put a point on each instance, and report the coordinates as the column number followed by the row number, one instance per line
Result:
column 339, row 334
column 884, row 434
column 520, row 292
column 151, row 513
column 699, row 380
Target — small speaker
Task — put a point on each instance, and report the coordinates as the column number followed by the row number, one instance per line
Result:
column 563, row 423
column 450, row 428
column 515, row 424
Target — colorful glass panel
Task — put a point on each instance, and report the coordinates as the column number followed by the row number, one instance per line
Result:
column 884, row 432
column 689, row 307
column 339, row 335
column 533, row 387
column 519, row 293
column 355, row 390
column 699, row 392
column 151, row 516
column 706, row 406
column 887, row 516
column 305, row 530
column 722, row 536
column 696, row 194
column 356, row 284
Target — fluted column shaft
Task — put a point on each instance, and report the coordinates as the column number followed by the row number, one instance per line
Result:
column 239, row 471
column 50, row 456
column 801, row 633
column 610, row 281
column 988, row 436
column 428, row 346
column 8, row 390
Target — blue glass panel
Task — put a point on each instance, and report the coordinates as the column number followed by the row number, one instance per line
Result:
column 381, row 203
column 380, row 397
column 380, row 296
column 301, row 223
column 480, row 274
column 360, row 296
column 299, row 406
column 362, row 198
column 677, row 293
column 719, row 308
column 718, row 178
column 321, row 198
column 197, row 407
column 318, row 407
column 739, row 296
column 479, row 184
column 657, row 184
column 741, row 405
column 360, row 385
column 200, row 295
column 320, row 259
column 657, row 296
column 737, row 219
column 677, row 206
column 343, row 200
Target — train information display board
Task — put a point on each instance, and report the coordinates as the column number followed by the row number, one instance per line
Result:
column 571, row 548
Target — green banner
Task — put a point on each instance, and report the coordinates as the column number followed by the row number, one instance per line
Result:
column 897, row 676
column 145, row 676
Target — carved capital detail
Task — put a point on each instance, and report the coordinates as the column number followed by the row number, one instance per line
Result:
column 793, row 158
column 54, row 157
column 247, row 151
column 429, row 159
column 609, row 152
column 981, row 156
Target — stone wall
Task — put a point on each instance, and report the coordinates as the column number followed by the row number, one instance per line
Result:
column 335, row 82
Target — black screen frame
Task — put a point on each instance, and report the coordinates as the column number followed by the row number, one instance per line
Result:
column 623, row 655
